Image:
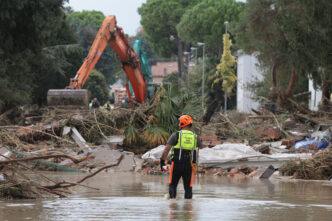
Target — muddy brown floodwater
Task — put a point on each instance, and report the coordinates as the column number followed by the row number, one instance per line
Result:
column 131, row 196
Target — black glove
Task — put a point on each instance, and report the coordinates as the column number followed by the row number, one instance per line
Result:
column 162, row 163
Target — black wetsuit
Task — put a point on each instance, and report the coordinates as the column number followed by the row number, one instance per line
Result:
column 181, row 168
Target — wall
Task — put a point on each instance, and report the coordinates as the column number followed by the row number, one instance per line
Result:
column 247, row 72
column 315, row 98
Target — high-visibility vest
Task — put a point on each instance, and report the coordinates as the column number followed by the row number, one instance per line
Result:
column 107, row 107
column 90, row 105
column 187, row 141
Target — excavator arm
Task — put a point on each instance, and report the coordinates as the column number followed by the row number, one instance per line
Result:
column 109, row 33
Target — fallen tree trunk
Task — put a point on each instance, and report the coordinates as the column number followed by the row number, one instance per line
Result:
column 75, row 160
column 305, row 119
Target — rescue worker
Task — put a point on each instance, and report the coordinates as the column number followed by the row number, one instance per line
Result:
column 108, row 106
column 95, row 103
column 184, row 144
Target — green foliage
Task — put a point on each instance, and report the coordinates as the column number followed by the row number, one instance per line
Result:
column 96, row 84
column 155, row 135
column 53, row 69
column 194, row 79
column 166, row 112
column 295, row 35
column 174, row 101
column 28, row 25
column 25, row 28
column 141, row 35
column 205, row 22
column 271, row 29
column 214, row 97
column 16, row 86
column 261, row 88
column 85, row 18
column 226, row 69
column 194, row 83
column 159, row 19
column 170, row 103
column 131, row 134
column 64, row 35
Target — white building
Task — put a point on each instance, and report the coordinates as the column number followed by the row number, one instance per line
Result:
column 315, row 98
column 247, row 72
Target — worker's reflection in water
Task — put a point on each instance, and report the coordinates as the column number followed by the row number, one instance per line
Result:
column 181, row 212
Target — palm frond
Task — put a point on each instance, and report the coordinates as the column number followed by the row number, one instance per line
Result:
column 155, row 135
column 131, row 135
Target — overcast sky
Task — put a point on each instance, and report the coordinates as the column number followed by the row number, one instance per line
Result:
column 124, row 10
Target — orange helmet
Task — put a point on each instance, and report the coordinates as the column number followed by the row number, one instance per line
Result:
column 185, row 120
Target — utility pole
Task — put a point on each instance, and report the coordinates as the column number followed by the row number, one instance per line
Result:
column 194, row 49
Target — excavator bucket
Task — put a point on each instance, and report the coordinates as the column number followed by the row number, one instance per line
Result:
column 68, row 97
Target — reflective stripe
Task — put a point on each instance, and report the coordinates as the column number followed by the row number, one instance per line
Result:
column 172, row 153
column 192, row 178
column 171, row 173
column 180, row 145
column 194, row 147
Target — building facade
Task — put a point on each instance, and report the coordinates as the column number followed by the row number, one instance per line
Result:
column 247, row 72
column 162, row 69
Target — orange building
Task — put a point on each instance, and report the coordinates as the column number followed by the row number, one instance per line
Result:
column 163, row 69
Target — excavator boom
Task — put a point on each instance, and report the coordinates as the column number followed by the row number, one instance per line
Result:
column 109, row 34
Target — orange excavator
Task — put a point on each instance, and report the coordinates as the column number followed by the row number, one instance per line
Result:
column 109, row 33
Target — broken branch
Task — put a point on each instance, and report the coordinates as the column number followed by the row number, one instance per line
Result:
column 59, row 185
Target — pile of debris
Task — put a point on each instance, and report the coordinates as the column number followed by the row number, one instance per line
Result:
column 18, row 179
column 319, row 167
column 60, row 140
column 242, row 172
column 235, row 145
column 235, row 173
column 67, row 131
column 256, row 141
